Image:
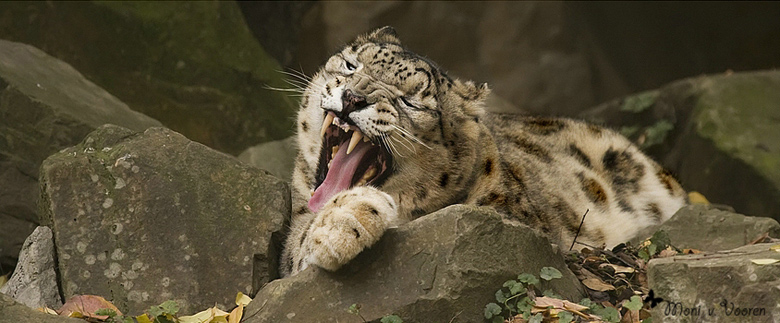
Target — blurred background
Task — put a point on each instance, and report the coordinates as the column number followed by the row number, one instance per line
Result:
column 203, row 69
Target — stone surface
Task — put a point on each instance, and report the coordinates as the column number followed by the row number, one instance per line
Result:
column 192, row 65
column 703, row 282
column 707, row 228
column 720, row 134
column 277, row 157
column 140, row 218
column 34, row 282
column 443, row 266
column 14, row 312
column 45, row 106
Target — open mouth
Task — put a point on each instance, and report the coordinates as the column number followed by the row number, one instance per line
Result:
column 347, row 159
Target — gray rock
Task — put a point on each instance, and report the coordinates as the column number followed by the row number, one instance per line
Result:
column 45, row 105
column 695, row 287
column 446, row 265
column 192, row 65
column 14, row 312
column 34, row 282
column 277, row 157
column 708, row 228
column 140, row 218
column 719, row 134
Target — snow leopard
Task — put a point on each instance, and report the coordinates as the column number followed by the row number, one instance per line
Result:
column 385, row 136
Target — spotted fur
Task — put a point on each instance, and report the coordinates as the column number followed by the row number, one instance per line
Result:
column 544, row 172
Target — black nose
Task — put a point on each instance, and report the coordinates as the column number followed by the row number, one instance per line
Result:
column 351, row 102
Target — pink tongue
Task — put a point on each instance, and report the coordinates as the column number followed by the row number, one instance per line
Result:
column 339, row 175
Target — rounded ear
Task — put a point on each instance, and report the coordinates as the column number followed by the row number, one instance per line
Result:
column 474, row 96
column 384, row 34
column 470, row 91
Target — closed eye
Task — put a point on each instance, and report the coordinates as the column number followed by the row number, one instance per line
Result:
column 349, row 65
column 407, row 103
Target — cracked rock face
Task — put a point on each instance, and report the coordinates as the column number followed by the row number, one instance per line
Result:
column 34, row 282
column 140, row 218
column 451, row 261
column 739, row 285
column 45, row 105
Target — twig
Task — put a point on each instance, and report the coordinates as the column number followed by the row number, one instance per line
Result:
column 578, row 229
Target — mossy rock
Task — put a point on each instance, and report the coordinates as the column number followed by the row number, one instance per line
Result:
column 720, row 134
column 192, row 65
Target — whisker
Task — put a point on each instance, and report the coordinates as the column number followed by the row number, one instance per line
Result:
column 296, row 90
column 410, row 148
column 409, row 135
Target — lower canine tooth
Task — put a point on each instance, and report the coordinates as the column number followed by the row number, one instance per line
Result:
column 369, row 173
column 328, row 120
column 356, row 136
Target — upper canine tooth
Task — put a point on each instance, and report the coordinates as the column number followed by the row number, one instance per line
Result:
column 356, row 135
column 326, row 123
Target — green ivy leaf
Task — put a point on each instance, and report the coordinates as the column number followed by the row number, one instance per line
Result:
column 536, row 318
column 634, row 304
column 565, row 317
column 524, row 305
column 500, row 297
column 643, row 254
column 608, row 314
column 391, row 319
column 550, row 273
column 661, row 239
column 491, row 310
column 652, row 249
column 528, row 279
column 170, row 307
column 154, row 311
column 587, row 302
column 514, row 287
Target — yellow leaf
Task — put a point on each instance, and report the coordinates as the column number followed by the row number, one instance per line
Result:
column 764, row 261
column 236, row 314
column 242, row 299
column 697, row 198
column 3, row 280
column 143, row 319
column 775, row 248
column 211, row 315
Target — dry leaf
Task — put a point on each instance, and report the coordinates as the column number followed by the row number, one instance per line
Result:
column 211, row 315
column 597, row 284
column 697, row 198
column 764, row 261
column 667, row 253
column 85, row 306
column 775, row 248
column 236, row 314
column 47, row 310
column 619, row 269
column 691, row 251
column 630, row 317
